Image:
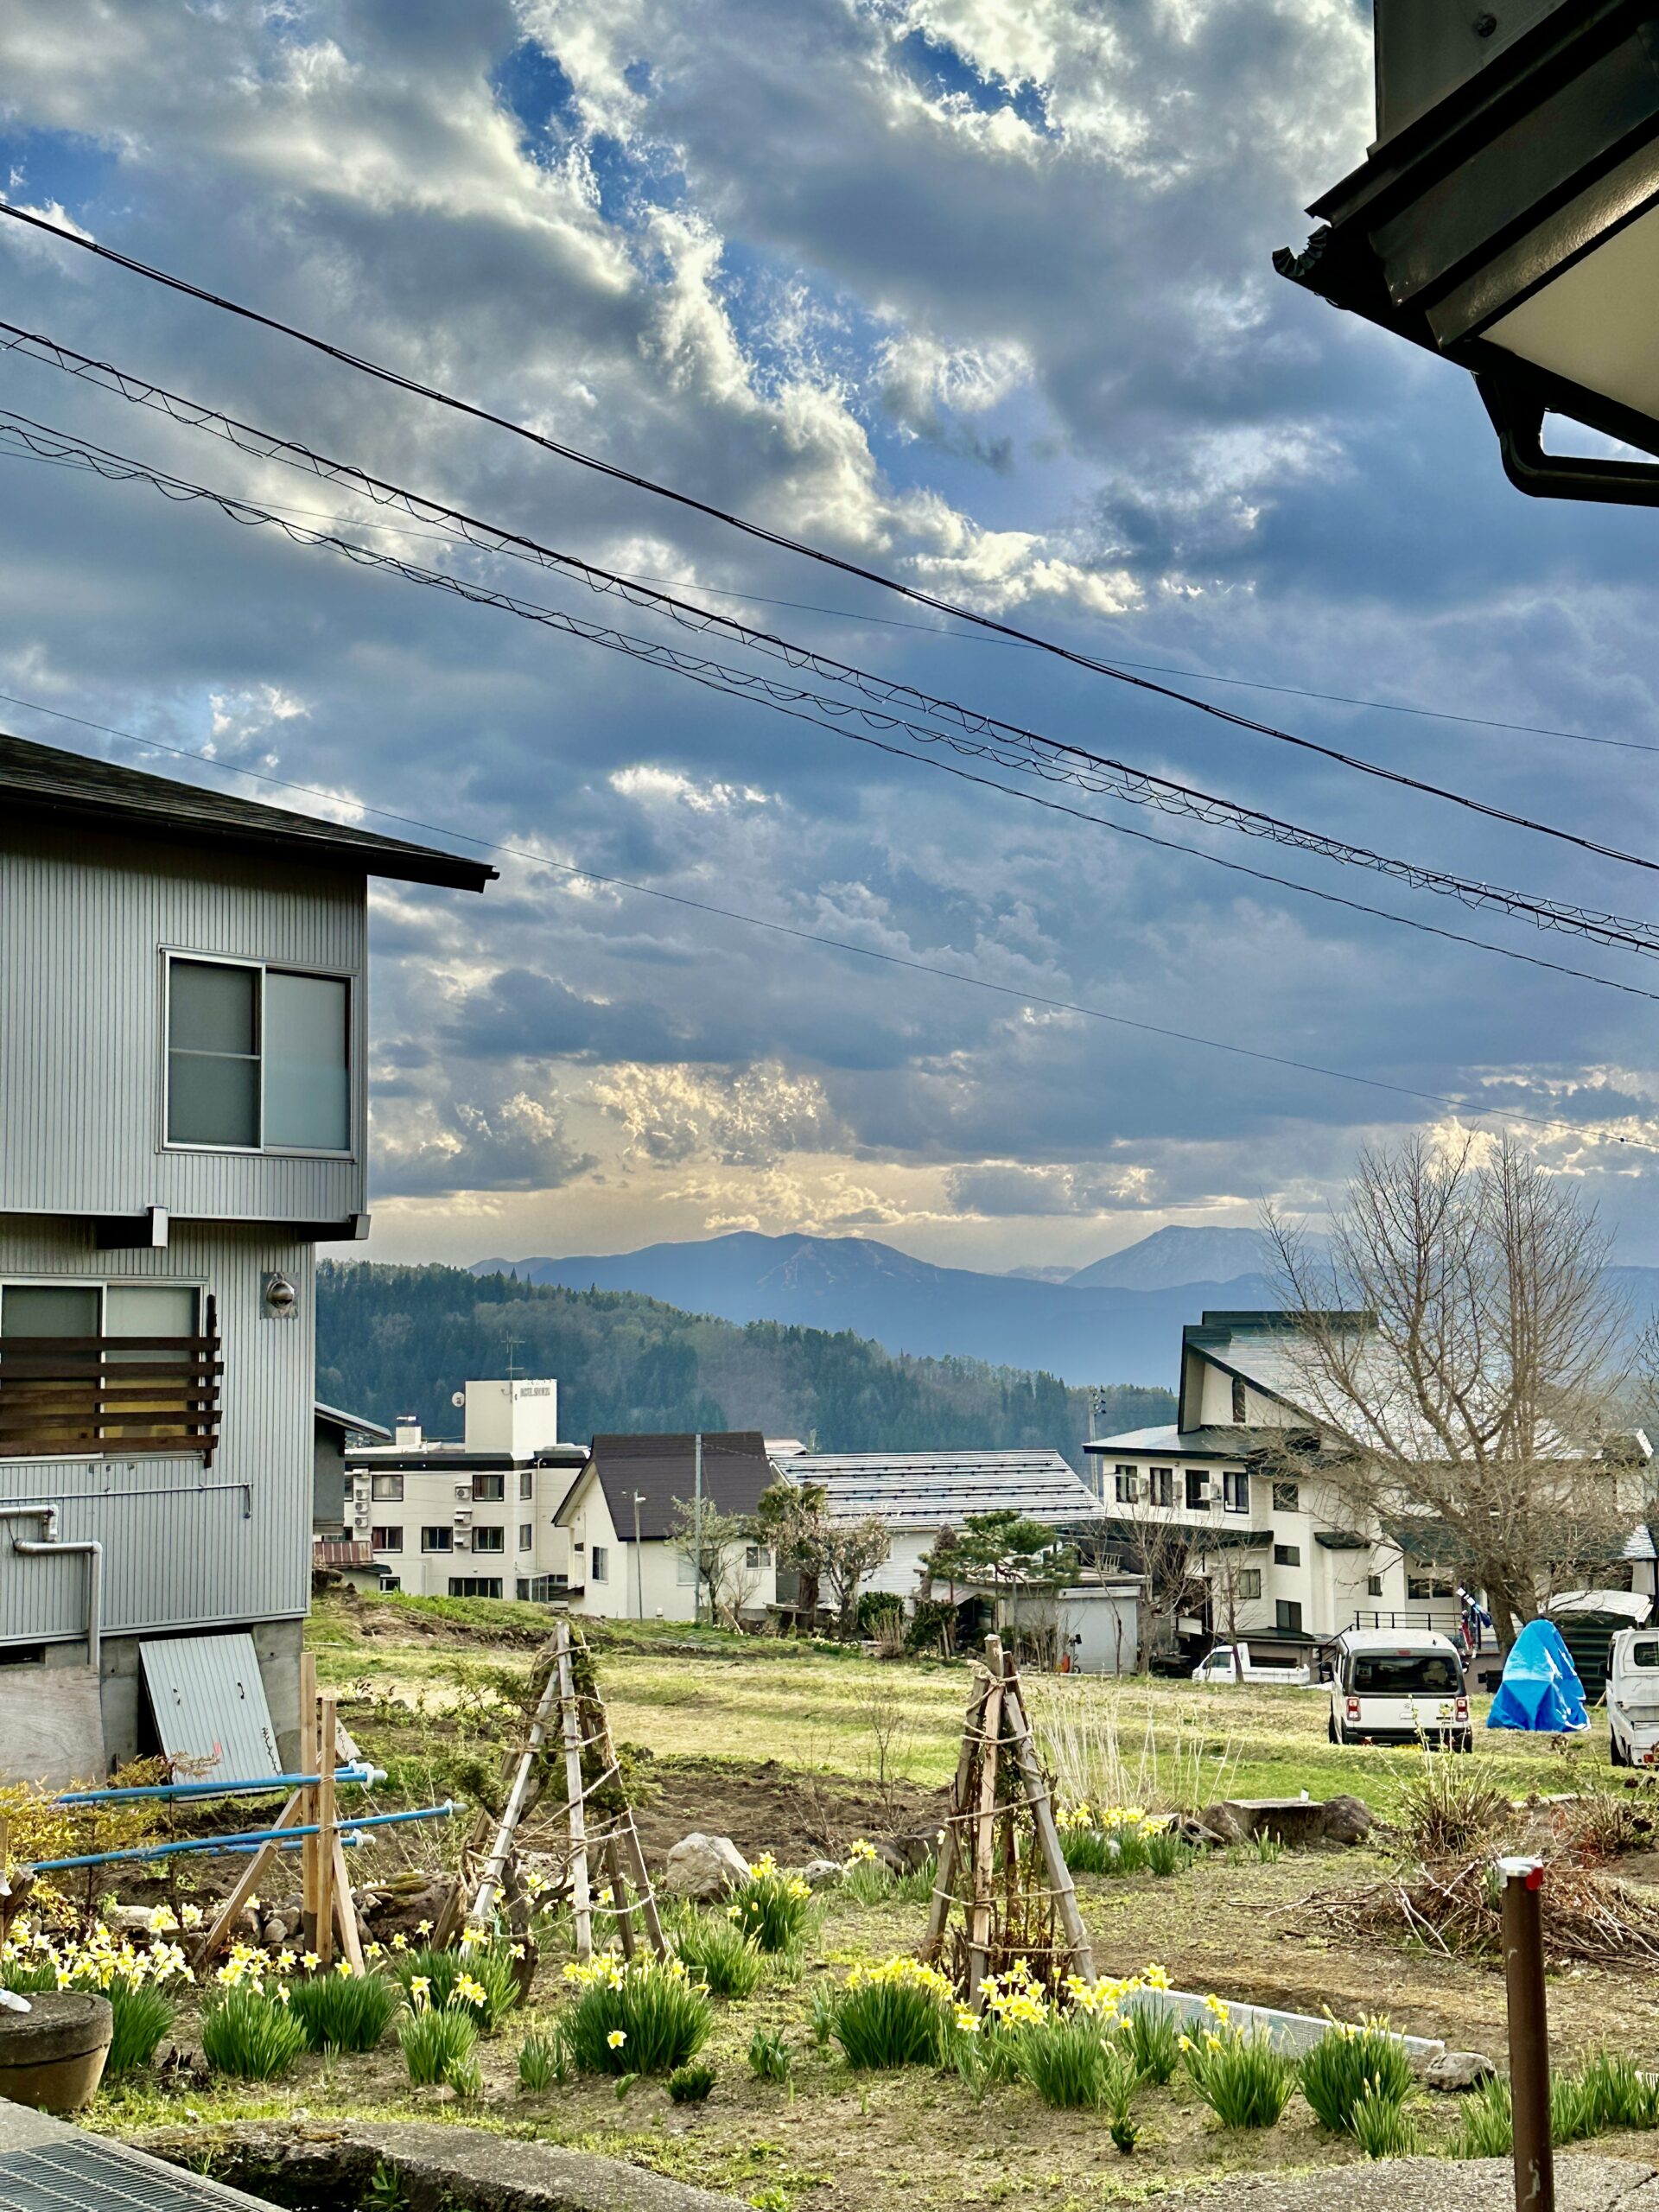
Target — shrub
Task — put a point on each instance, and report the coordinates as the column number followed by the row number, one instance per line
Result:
column 1073, row 2061
column 143, row 2014
column 1346, row 2061
column 1245, row 2082
column 1619, row 2095
column 438, row 2043
column 1166, row 1854
column 644, row 2017
column 771, row 1908
column 898, row 2014
column 769, row 2058
column 344, row 2011
column 490, row 1971
column 916, row 1887
column 541, row 2062
column 1450, row 1804
column 717, row 1953
column 931, row 1631
column 1380, row 2124
column 251, row 2036
column 1152, row 2041
column 1487, row 2129
column 690, row 2085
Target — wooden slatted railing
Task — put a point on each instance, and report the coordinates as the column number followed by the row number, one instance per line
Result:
column 120, row 1395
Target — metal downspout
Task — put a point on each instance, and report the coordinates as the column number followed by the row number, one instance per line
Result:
column 91, row 1550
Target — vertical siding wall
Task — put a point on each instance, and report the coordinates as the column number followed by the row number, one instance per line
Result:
column 84, row 919
column 184, row 1546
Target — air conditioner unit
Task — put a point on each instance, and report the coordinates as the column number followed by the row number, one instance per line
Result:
column 463, row 1516
column 464, row 1490
column 359, row 1513
column 463, row 1539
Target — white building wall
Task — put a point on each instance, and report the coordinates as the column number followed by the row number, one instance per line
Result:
column 649, row 1583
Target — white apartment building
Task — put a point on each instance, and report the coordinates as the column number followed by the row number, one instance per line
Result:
column 473, row 1519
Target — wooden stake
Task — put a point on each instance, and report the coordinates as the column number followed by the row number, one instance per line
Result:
column 290, row 1817
column 495, row 1870
column 627, row 1842
column 580, row 1909
column 1042, row 1813
column 346, row 1909
column 309, row 1881
column 623, row 1917
column 951, row 1850
column 327, row 1838
column 979, row 1922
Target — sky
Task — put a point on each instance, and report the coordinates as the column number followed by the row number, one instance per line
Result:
column 977, row 293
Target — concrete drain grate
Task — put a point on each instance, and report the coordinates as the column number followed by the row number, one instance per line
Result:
column 85, row 2176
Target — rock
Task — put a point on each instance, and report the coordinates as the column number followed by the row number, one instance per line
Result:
column 704, row 1867
column 889, row 1855
column 1347, row 1820
column 128, row 1919
column 1225, row 1823
column 916, row 1846
column 1458, row 2069
column 821, row 1873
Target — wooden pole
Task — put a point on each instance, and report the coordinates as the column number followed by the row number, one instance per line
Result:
column 1523, row 1976
column 622, row 1916
column 979, row 1922
column 345, row 1909
column 951, row 1850
column 580, row 1909
column 627, row 1842
column 496, row 1867
column 288, row 1818
column 327, row 1838
column 1042, row 1813
column 310, row 1884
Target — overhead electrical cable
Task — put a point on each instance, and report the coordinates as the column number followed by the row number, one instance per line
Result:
column 1133, row 784
column 268, row 445
column 1474, row 1110
column 762, row 532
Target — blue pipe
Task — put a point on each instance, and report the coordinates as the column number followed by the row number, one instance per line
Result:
column 362, row 1775
column 145, row 1852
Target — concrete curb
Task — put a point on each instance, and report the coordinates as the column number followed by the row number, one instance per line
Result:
column 1291, row 2031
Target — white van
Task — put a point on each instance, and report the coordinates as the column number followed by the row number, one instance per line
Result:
column 1236, row 1663
column 1399, row 1686
column 1633, row 1698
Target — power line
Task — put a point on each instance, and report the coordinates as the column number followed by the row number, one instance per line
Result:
column 1472, row 1110
column 1118, row 672
column 1136, row 786
column 267, row 445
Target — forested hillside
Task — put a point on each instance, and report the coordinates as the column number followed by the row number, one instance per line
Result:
column 401, row 1340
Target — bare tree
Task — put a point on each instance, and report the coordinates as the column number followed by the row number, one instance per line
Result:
column 1167, row 1555
column 1456, row 1348
column 717, row 1545
column 852, row 1552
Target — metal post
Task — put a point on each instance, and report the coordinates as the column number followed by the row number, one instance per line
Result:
column 638, row 1563
column 696, row 1533
column 1524, row 1975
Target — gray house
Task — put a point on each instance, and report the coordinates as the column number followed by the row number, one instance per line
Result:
column 183, row 1119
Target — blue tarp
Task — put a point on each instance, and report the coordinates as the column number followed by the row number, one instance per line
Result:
column 1541, row 1689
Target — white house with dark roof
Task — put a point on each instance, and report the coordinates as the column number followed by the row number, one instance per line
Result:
column 620, row 1520
column 183, row 1119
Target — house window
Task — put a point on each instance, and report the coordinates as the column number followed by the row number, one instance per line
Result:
column 1286, row 1498
column 1235, row 1491
column 1249, row 1582
column 488, row 1489
column 1161, row 1482
column 75, row 1395
column 1240, row 1407
column 526, row 1535
column 387, row 1486
column 385, row 1540
column 526, row 1483
column 1373, row 1585
column 598, row 1564
column 1197, row 1489
column 489, row 1539
column 437, row 1540
column 540, row 1589
column 1287, row 1555
column 1431, row 1583
column 257, row 1059
column 474, row 1586
column 1287, row 1614
column 1127, row 1483
column 685, row 1569
column 757, row 1556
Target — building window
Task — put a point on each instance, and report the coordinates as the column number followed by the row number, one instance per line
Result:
column 1235, row 1491
column 541, row 1589
column 257, row 1059
column 1197, row 1489
column 1240, row 1407
column 389, row 1487
column 1161, row 1483
column 488, row 1489
column 1249, row 1582
column 1287, row 1614
column 526, row 1535
column 1373, row 1585
column 1431, row 1583
column 757, row 1556
column 474, row 1586
column 1286, row 1498
column 1287, row 1555
column 489, row 1539
column 386, row 1540
column 77, row 1396
column 685, row 1569
column 598, row 1564
column 526, row 1483
column 437, row 1540
column 1127, row 1483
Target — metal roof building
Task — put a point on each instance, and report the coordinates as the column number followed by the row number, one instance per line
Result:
column 934, row 1490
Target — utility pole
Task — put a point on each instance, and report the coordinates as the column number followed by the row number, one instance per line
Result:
column 639, row 1564
column 697, row 1533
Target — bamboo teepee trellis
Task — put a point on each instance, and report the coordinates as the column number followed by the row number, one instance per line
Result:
column 591, row 1817
column 1000, row 1864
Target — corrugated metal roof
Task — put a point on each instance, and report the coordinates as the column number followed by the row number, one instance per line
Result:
column 931, row 1490
column 352, row 1424
column 209, row 1704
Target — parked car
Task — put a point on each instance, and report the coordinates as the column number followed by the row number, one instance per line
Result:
column 1399, row 1686
column 1633, row 1698
column 1230, row 1662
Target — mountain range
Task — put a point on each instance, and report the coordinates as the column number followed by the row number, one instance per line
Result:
column 1118, row 1320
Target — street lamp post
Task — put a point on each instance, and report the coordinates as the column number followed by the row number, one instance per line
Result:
column 639, row 1564
column 1507, row 217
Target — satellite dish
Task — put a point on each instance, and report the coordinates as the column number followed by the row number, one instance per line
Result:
column 457, row 1397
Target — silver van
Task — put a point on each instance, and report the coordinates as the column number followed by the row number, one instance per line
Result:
column 1399, row 1686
